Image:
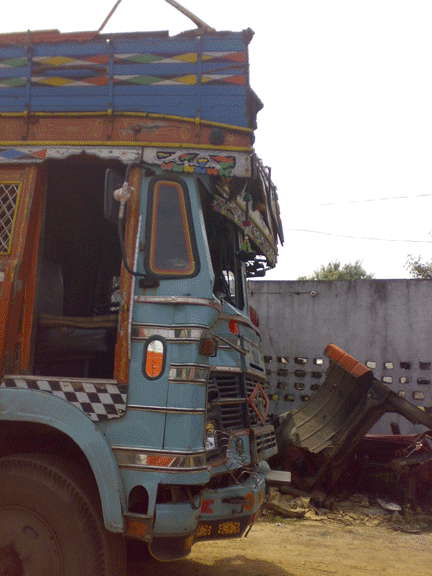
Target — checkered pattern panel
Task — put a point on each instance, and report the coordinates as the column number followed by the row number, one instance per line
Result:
column 100, row 400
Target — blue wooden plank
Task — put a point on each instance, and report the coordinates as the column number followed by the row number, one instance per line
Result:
column 60, row 104
column 144, row 104
column 156, row 45
column 224, row 89
column 71, row 49
column 153, row 91
column 15, row 92
column 156, row 91
column 20, row 72
column 12, row 52
column 11, row 101
column 231, row 41
column 181, row 68
column 68, row 92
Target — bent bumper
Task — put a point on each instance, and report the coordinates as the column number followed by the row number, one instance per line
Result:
column 224, row 513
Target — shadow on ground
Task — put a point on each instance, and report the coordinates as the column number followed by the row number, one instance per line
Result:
column 233, row 566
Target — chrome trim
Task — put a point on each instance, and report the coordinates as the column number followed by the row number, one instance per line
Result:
column 179, row 300
column 228, row 343
column 138, row 459
column 132, row 288
column 241, row 320
column 159, row 451
column 228, row 401
column 195, row 374
column 170, row 409
column 226, row 369
column 184, row 334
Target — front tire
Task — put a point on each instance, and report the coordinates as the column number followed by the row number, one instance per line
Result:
column 51, row 523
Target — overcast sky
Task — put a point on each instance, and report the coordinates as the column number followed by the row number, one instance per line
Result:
column 347, row 122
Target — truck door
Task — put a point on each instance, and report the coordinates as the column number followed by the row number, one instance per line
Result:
column 21, row 193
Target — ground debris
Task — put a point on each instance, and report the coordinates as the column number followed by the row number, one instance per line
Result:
column 288, row 505
column 349, row 510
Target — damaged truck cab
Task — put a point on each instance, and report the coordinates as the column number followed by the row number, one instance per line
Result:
column 132, row 210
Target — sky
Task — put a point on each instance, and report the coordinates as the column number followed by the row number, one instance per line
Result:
column 347, row 121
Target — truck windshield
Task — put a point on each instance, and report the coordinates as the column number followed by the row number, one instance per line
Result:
column 172, row 248
column 224, row 243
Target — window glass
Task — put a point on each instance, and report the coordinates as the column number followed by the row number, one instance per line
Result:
column 224, row 242
column 172, row 247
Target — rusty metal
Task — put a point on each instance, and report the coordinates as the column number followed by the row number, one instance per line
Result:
column 317, row 441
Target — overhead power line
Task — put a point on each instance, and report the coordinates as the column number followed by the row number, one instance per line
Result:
column 358, row 237
column 357, row 201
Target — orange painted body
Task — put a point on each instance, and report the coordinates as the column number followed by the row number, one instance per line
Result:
column 105, row 128
column 17, row 290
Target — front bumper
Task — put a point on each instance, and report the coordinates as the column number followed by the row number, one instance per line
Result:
column 223, row 513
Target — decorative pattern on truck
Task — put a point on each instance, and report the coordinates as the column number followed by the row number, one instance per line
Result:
column 20, row 154
column 189, row 78
column 200, row 162
column 235, row 213
column 99, row 400
column 97, row 67
column 9, row 192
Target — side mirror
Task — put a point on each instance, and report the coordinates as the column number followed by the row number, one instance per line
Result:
column 113, row 181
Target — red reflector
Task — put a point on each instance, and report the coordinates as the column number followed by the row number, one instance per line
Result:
column 206, row 507
column 233, row 327
column 253, row 315
column 154, row 359
column 208, row 347
column 154, row 460
column 136, row 528
column 249, row 502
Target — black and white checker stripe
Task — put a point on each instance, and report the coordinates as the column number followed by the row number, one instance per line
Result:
column 99, row 399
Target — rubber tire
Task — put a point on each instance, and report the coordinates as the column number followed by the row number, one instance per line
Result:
column 51, row 523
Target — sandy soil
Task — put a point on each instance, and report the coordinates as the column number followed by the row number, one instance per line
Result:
column 306, row 548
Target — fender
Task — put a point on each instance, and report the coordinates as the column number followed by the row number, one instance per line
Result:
column 38, row 407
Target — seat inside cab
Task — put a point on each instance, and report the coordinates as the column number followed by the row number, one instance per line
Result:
column 79, row 270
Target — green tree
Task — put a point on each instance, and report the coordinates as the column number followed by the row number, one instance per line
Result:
column 419, row 269
column 335, row 271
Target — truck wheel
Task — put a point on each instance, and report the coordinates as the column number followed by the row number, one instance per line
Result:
column 50, row 521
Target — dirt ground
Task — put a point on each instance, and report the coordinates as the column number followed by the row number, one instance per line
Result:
column 292, row 547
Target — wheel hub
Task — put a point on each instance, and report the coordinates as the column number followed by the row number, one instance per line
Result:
column 10, row 562
column 28, row 545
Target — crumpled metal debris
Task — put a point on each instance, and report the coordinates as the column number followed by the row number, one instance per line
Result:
column 353, row 510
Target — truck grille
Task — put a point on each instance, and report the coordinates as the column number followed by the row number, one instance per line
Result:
column 228, row 410
column 264, row 444
column 227, row 393
column 226, row 401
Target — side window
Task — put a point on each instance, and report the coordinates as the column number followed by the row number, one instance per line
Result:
column 171, row 247
column 9, row 192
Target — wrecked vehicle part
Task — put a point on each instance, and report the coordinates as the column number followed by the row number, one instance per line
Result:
column 327, row 430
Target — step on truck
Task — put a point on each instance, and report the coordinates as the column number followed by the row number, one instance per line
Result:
column 132, row 381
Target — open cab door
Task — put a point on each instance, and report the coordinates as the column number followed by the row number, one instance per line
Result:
column 21, row 195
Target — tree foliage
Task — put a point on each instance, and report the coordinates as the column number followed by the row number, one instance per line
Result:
column 419, row 269
column 336, row 271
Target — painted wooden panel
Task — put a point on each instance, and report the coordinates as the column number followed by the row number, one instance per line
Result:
column 18, row 269
column 133, row 72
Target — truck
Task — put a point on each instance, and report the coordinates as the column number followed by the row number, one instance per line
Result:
column 133, row 208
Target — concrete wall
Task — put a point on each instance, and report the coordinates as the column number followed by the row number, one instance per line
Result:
column 384, row 323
